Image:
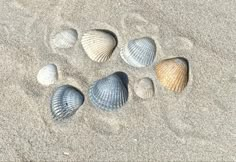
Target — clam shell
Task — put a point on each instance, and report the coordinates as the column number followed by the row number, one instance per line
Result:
column 47, row 75
column 139, row 52
column 65, row 39
column 144, row 88
column 108, row 93
column 173, row 73
column 65, row 101
column 99, row 44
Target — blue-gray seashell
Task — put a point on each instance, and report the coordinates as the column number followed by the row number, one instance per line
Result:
column 139, row 52
column 109, row 93
column 65, row 102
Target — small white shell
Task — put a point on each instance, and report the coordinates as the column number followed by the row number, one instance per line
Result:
column 65, row 101
column 65, row 39
column 99, row 44
column 47, row 75
column 139, row 52
column 108, row 93
column 144, row 88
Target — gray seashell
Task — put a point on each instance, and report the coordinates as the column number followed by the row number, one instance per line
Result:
column 65, row 39
column 65, row 102
column 139, row 52
column 47, row 75
column 108, row 93
column 144, row 88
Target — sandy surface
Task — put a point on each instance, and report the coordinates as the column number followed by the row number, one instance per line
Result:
column 197, row 124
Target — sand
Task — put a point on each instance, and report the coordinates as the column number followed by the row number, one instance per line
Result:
column 198, row 124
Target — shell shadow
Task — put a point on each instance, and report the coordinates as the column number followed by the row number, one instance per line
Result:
column 124, row 78
column 187, row 63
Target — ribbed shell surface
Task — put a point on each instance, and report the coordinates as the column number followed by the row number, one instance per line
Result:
column 66, row 38
column 65, row 102
column 108, row 93
column 173, row 74
column 139, row 52
column 98, row 45
column 144, row 88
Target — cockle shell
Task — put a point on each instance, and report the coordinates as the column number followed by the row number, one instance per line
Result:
column 47, row 75
column 99, row 44
column 139, row 52
column 108, row 93
column 65, row 101
column 65, row 39
column 173, row 73
column 144, row 88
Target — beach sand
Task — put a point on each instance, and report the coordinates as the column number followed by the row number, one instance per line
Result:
column 198, row 124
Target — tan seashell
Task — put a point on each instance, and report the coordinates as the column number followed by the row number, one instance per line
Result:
column 173, row 73
column 144, row 88
column 99, row 44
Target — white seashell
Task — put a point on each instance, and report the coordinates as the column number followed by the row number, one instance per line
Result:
column 65, row 39
column 65, row 101
column 108, row 93
column 139, row 52
column 144, row 88
column 47, row 75
column 99, row 44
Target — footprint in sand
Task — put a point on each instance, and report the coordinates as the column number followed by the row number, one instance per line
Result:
column 178, row 43
column 104, row 124
column 233, row 79
column 4, row 33
column 183, row 124
column 177, row 124
column 33, row 6
column 131, row 3
column 137, row 25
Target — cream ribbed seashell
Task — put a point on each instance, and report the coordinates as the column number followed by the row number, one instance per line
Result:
column 99, row 44
column 144, row 88
column 47, row 75
column 65, row 39
column 173, row 73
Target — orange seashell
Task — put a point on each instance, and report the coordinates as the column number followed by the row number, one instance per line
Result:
column 173, row 73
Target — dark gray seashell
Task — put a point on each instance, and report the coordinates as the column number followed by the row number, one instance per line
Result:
column 139, row 52
column 108, row 93
column 65, row 102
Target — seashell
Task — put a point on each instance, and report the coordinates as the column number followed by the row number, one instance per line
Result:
column 173, row 73
column 108, row 93
column 65, row 101
column 99, row 44
column 144, row 88
column 65, row 39
column 139, row 52
column 47, row 75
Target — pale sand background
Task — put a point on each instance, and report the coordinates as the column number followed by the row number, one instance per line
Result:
column 198, row 124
